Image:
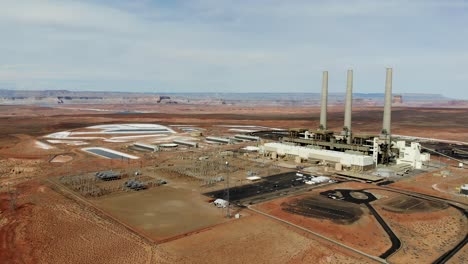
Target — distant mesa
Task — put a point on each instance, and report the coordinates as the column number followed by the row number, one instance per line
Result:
column 397, row 99
column 65, row 97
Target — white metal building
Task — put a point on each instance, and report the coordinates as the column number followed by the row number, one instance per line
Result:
column 146, row 146
column 247, row 137
column 186, row 143
column 347, row 159
column 219, row 140
column 411, row 154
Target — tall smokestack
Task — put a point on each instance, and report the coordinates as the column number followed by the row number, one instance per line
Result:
column 348, row 106
column 387, row 116
column 323, row 111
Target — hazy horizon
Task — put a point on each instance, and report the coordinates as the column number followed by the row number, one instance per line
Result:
column 234, row 46
column 282, row 96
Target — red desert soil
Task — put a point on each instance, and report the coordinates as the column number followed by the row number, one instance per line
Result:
column 374, row 241
column 434, row 183
column 62, row 159
column 438, row 123
column 48, row 227
column 64, row 231
column 427, row 229
column 460, row 257
column 426, row 236
column 256, row 239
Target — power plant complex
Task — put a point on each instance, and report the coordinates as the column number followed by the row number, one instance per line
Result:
column 234, row 132
column 357, row 152
column 204, row 167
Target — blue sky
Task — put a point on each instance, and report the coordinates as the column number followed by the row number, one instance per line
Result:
column 234, row 46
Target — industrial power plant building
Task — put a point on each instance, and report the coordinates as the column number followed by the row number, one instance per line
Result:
column 355, row 151
column 411, row 154
column 355, row 161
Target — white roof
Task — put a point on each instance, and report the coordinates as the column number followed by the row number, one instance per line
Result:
column 251, row 148
column 322, row 154
column 144, row 145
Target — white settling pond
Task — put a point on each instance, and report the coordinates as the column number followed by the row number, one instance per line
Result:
column 108, row 153
column 109, row 132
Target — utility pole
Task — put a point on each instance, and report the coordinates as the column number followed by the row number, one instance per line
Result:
column 228, row 214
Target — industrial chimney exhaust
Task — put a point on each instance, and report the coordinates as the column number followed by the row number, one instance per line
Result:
column 348, row 108
column 387, row 116
column 323, row 104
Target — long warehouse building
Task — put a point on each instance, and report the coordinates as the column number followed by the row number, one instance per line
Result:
column 356, row 161
column 146, row 146
column 247, row 137
column 219, row 140
column 186, row 143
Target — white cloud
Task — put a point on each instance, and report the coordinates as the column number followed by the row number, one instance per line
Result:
column 319, row 9
column 233, row 45
column 65, row 13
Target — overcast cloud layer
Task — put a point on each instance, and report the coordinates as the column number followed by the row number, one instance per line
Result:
column 234, row 46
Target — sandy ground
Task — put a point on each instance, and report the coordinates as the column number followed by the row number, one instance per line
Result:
column 250, row 239
column 62, row 158
column 460, row 257
column 163, row 212
column 427, row 230
column 68, row 232
column 374, row 241
column 426, row 235
column 434, row 183
column 48, row 227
